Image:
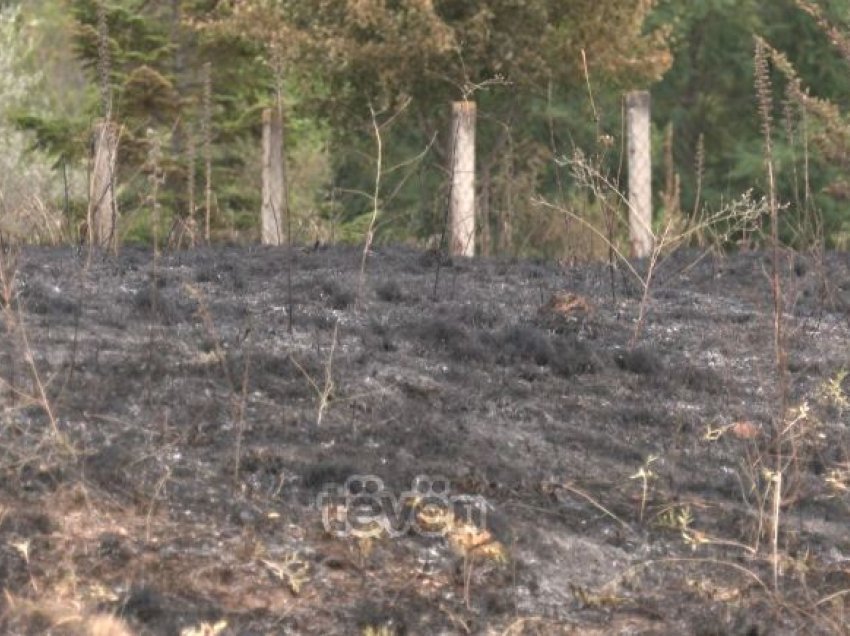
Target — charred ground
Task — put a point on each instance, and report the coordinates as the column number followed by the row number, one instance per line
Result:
column 628, row 481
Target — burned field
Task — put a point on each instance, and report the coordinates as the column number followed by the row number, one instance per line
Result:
column 169, row 433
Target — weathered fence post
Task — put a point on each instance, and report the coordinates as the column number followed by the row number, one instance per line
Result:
column 103, row 211
column 271, row 215
column 191, row 158
column 462, row 203
column 206, row 130
column 640, row 173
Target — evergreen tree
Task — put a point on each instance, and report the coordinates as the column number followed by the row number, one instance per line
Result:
column 708, row 93
column 354, row 56
column 154, row 80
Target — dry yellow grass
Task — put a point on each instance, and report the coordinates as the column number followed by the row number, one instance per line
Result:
column 59, row 619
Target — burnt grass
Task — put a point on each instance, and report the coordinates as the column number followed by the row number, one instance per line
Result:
column 160, row 374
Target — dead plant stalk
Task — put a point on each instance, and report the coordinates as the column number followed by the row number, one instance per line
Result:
column 764, row 94
column 15, row 322
column 370, row 231
column 738, row 214
column 325, row 391
column 238, row 400
column 375, row 196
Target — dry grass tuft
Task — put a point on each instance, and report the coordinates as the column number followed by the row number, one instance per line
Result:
column 59, row 619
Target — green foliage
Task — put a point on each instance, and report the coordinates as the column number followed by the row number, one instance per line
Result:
column 27, row 183
column 708, row 92
column 156, row 54
column 65, row 139
column 350, row 56
column 531, row 66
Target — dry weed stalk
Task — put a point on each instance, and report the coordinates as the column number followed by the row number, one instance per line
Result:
column 733, row 217
column 32, row 219
column 671, row 196
column 549, row 487
column 206, row 133
column 325, row 391
column 764, row 94
column 240, row 411
column 838, row 38
column 370, row 231
column 156, row 178
column 191, row 157
column 104, row 61
column 13, row 316
column 8, row 272
column 699, row 171
column 375, row 196
column 239, row 397
column 160, row 486
column 645, row 474
column 211, row 331
column 183, row 232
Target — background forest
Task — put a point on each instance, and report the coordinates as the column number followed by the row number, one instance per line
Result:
column 548, row 77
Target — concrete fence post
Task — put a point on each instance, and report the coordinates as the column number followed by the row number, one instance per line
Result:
column 271, row 215
column 462, row 203
column 102, row 214
column 640, row 173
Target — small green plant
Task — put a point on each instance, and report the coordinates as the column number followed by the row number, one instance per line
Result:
column 645, row 474
column 838, row 479
column 676, row 517
column 294, row 571
column 205, row 629
column 832, row 391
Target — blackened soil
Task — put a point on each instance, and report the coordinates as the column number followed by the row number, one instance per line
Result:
column 201, row 404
